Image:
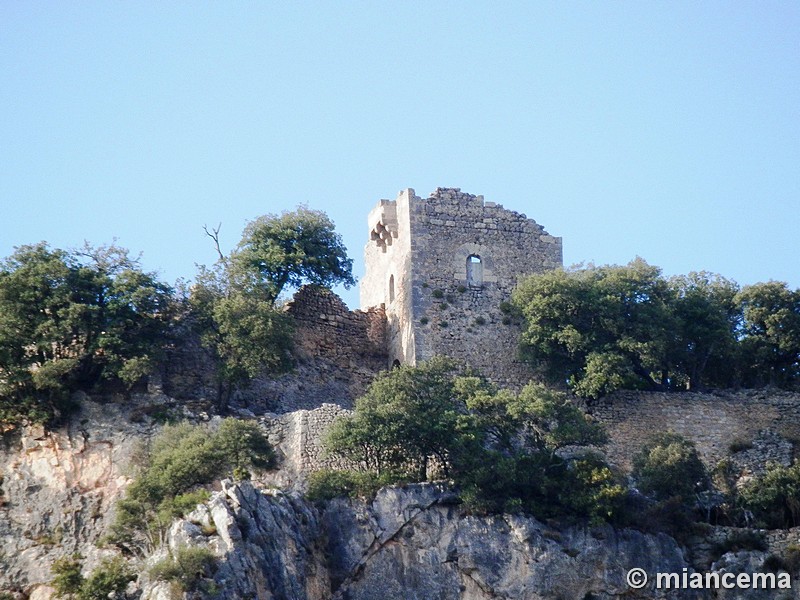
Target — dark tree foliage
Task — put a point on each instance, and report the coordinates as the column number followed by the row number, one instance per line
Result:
column 599, row 329
column 771, row 335
column 73, row 320
column 288, row 250
column 499, row 448
column 234, row 303
column 774, row 498
column 669, row 466
column 708, row 320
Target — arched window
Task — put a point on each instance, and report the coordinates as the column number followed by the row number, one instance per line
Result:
column 391, row 288
column 474, row 270
column 395, row 364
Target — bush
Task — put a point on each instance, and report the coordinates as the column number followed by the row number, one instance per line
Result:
column 187, row 568
column 500, row 449
column 111, row 577
column 437, row 294
column 669, row 466
column 774, row 498
column 67, row 577
column 739, row 445
column 774, row 564
column 182, row 457
column 329, row 484
column 744, row 539
column 792, row 556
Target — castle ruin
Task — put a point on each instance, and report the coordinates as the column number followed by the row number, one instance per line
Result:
column 442, row 268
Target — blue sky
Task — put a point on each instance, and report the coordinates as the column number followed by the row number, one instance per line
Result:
column 667, row 130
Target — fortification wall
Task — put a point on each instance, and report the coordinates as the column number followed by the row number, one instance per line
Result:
column 761, row 427
column 325, row 327
column 337, row 354
column 749, row 427
column 297, row 438
column 457, row 300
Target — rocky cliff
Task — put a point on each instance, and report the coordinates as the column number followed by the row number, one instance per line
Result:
column 58, row 492
column 413, row 543
column 59, row 488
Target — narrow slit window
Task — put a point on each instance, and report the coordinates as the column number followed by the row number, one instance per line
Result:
column 474, row 270
column 391, row 288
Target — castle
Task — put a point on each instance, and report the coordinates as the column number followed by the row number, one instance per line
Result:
column 438, row 271
column 442, row 268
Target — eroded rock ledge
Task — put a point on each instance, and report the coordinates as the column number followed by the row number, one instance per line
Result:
column 411, row 543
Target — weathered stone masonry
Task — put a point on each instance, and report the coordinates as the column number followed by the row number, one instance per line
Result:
column 749, row 427
column 443, row 267
column 325, row 327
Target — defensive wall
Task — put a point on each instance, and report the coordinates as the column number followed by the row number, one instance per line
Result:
column 337, row 353
column 749, row 427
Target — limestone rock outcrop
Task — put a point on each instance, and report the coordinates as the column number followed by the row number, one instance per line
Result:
column 412, row 543
column 58, row 491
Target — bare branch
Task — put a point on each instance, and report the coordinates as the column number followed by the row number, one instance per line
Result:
column 214, row 235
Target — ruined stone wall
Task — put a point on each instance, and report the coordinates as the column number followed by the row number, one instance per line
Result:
column 337, row 354
column 458, row 305
column 298, row 439
column 326, row 328
column 749, row 427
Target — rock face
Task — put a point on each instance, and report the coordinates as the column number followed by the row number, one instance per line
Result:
column 411, row 543
column 58, row 490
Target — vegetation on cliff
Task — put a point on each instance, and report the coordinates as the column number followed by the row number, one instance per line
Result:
column 500, row 449
column 180, row 461
column 73, row 321
column 598, row 329
column 234, row 302
column 93, row 320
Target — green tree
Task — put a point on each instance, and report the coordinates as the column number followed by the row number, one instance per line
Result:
column 499, row 448
column 407, row 416
column 246, row 335
column 74, row 320
column 774, row 498
column 669, row 466
column 599, row 328
column 708, row 322
column 291, row 249
column 234, row 303
column 771, row 334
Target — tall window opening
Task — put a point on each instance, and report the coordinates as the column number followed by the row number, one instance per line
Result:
column 391, row 288
column 474, row 270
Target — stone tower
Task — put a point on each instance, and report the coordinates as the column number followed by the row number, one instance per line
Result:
column 443, row 267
